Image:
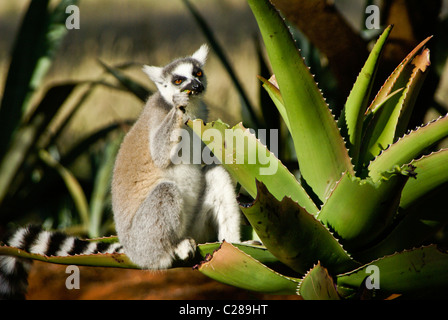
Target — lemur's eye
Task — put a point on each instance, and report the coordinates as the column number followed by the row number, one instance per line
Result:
column 199, row 73
column 178, row 81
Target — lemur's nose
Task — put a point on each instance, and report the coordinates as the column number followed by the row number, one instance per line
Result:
column 195, row 86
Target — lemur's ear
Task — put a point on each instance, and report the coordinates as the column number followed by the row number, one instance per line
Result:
column 154, row 73
column 201, row 54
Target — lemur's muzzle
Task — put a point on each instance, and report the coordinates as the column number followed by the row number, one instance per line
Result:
column 194, row 87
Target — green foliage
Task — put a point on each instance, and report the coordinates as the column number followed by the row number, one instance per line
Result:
column 365, row 217
column 40, row 35
column 34, row 174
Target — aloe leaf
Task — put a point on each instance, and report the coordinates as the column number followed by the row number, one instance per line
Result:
column 420, row 64
column 293, row 235
column 120, row 260
column 320, row 149
column 317, row 284
column 432, row 171
column 247, row 159
column 422, row 209
column 390, row 84
column 232, row 266
column 115, row 260
column 258, row 252
column 420, row 272
column 352, row 116
column 273, row 91
column 360, row 210
column 409, row 147
column 390, row 121
column 107, row 239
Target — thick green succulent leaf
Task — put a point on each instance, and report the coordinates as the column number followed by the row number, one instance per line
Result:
column 247, row 159
column 409, row 147
column 360, row 210
column 420, row 272
column 115, row 260
column 317, row 284
column 232, row 266
column 120, row 260
column 109, row 239
column 320, row 149
column 422, row 208
column 293, row 235
column 258, row 252
column 432, row 171
column 390, row 84
column 390, row 118
column 352, row 116
column 411, row 91
column 273, row 91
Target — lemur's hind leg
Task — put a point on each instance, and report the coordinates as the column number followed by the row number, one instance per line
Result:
column 159, row 221
column 219, row 208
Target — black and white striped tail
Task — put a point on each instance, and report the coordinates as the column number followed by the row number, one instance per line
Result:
column 33, row 239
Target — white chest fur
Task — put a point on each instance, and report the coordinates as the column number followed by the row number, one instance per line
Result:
column 190, row 181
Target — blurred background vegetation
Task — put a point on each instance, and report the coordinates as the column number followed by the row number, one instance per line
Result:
column 68, row 96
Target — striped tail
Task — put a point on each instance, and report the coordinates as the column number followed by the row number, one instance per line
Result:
column 33, row 239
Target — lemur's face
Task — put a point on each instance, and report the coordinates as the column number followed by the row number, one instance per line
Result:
column 182, row 75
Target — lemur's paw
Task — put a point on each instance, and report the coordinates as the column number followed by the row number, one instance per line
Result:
column 180, row 100
column 185, row 249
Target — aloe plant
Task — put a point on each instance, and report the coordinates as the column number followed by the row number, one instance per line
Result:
column 361, row 220
column 367, row 173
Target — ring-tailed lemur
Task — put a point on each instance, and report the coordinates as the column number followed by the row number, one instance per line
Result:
column 34, row 239
column 161, row 209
